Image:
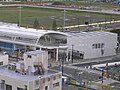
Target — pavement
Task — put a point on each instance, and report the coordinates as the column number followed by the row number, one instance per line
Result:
column 81, row 71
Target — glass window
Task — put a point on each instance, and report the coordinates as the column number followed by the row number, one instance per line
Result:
column 56, row 84
column 54, row 78
column 44, row 80
column 102, row 45
column 1, row 63
column 46, row 87
column 99, row 45
column 29, row 56
column 48, row 79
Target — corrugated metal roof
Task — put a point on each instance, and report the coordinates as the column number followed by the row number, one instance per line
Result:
column 25, row 32
column 90, row 34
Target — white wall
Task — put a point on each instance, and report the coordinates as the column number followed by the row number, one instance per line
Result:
column 4, row 59
column 84, row 44
column 41, row 57
column 31, row 84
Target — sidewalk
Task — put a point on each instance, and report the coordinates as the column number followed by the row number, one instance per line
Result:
column 99, row 59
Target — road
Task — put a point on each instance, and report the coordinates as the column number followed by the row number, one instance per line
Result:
column 81, row 71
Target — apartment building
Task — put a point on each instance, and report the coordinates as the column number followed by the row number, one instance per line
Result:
column 30, row 74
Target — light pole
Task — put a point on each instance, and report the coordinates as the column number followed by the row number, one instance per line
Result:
column 20, row 14
column 64, row 18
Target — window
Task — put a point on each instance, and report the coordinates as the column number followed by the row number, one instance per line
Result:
column 8, row 87
column 37, row 82
column 29, row 56
column 2, row 84
column 20, row 88
column 98, row 45
column 54, row 78
column 102, row 45
column 44, row 80
column 48, row 79
column 56, row 84
column 46, row 87
column 59, row 76
column 1, row 63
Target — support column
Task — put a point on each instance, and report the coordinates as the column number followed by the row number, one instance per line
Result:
column 67, row 54
column 40, row 48
column 25, row 48
column 56, row 54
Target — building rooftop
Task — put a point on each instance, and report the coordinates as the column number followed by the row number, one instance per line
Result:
column 28, row 36
column 25, row 32
column 4, row 71
column 35, row 52
column 90, row 34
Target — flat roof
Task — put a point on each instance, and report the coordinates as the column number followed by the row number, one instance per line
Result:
column 90, row 34
column 26, row 32
column 14, row 75
column 35, row 52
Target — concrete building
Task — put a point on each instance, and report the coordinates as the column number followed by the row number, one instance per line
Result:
column 24, row 76
column 17, row 40
column 3, row 59
column 92, row 44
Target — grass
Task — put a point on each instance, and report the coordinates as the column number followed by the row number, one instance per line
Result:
column 45, row 16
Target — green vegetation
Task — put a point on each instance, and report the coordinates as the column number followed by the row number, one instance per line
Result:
column 54, row 25
column 116, row 31
column 36, row 24
column 44, row 16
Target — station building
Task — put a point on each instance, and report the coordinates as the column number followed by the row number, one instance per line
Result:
column 17, row 40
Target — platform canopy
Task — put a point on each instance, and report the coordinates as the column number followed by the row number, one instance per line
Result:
column 30, row 36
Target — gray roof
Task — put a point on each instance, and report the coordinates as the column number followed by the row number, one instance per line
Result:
column 13, row 75
column 90, row 34
column 35, row 52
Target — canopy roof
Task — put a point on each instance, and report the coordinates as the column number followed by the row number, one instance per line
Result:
column 22, row 35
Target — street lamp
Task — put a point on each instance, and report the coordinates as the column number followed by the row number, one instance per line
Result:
column 20, row 14
column 64, row 17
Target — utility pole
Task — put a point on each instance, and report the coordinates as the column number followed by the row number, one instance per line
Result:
column 20, row 14
column 64, row 18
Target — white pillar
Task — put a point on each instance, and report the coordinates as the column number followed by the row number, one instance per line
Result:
column 56, row 54
column 40, row 48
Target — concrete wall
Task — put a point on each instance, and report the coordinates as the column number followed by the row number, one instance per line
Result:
column 84, row 44
column 42, row 57
column 4, row 59
column 31, row 84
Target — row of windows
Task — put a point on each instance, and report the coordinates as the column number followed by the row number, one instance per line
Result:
column 98, row 45
column 29, row 56
column 54, row 85
column 48, row 79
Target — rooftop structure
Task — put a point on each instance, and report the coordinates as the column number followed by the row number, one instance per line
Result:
column 27, row 74
column 3, row 59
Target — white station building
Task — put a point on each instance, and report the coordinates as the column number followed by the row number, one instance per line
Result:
column 14, row 38
column 59, row 45
column 92, row 44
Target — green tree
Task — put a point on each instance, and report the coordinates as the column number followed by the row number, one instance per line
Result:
column 54, row 26
column 36, row 24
